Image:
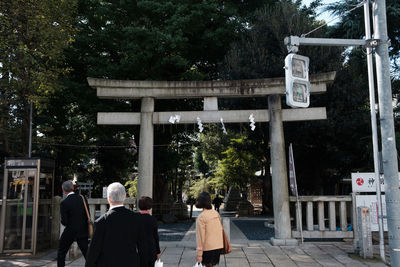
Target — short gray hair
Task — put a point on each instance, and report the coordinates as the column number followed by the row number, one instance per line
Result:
column 116, row 193
column 68, row 186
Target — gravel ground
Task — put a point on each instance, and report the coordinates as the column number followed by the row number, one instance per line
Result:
column 173, row 231
column 254, row 230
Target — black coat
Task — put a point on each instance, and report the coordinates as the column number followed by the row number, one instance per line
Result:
column 117, row 237
column 73, row 217
column 151, row 246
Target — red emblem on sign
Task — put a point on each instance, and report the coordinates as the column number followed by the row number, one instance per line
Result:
column 360, row 181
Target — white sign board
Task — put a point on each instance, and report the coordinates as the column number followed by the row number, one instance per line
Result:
column 370, row 202
column 366, row 182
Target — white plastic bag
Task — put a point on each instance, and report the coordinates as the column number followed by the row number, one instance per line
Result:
column 198, row 264
column 158, row 263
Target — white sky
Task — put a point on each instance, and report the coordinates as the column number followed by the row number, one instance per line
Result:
column 324, row 16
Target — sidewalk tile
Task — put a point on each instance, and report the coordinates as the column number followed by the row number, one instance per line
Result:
column 237, row 262
column 253, row 250
column 258, row 264
column 299, row 256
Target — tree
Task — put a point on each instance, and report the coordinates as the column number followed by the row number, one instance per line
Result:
column 33, row 36
column 137, row 40
column 238, row 166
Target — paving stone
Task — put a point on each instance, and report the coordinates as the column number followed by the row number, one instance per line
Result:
column 258, row 264
column 320, row 256
column 340, row 255
column 258, row 258
column 171, row 258
column 279, row 258
column 253, row 250
column 272, row 250
column 174, row 251
column 299, row 256
column 236, row 253
column 237, row 262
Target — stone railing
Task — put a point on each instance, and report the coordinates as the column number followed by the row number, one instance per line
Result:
column 334, row 225
column 99, row 206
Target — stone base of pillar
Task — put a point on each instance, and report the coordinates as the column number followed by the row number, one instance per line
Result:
column 284, row 242
column 74, row 252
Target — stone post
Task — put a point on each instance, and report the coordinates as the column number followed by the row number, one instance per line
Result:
column 55, row 221
column 146, row 141
column 365, row 234
column 279, row 173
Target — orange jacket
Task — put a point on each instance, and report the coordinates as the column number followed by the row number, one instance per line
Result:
column 208, row 231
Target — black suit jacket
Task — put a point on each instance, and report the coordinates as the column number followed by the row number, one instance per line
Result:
column 73, row 217
column 151, row 247
column 117, row 236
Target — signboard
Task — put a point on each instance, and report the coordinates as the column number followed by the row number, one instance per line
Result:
column 366, row 182
column 21, row 163
column 370, row 202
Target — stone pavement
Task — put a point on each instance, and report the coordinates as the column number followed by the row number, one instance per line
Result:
column 246, row 253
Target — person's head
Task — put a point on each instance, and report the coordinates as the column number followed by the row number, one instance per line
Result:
column 116, row 194
column 145, row 203
column 67, row 186
column 204, row 201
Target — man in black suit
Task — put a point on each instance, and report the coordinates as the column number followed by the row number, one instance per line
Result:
column 118, row 234
column 75, row 220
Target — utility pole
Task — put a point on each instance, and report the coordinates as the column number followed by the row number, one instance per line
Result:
column 375, row 146
column 389, row 153
column 30, row 130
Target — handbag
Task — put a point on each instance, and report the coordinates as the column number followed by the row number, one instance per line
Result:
column 227, row 247
column 158, row 263
column 90, row 223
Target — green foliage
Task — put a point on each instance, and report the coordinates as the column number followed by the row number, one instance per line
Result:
column 238, row 165
column 260, row 52
column 33, row 36
column 199, row 163
column 132, row 188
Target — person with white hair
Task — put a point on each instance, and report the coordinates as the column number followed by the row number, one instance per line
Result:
column 117, row 234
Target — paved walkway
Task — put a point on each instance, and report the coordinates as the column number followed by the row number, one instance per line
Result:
column 246, row 253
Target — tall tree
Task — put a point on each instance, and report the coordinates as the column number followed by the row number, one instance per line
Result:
column 33, row 36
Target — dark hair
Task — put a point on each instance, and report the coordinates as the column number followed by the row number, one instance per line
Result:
column 145, row 203
column 204, row 201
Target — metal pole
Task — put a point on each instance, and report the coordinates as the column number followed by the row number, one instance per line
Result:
column 389, row 153
column 30, row 131
column 298, row 208
column 367, row 20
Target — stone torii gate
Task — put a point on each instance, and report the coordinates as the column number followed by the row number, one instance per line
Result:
column 274, row 88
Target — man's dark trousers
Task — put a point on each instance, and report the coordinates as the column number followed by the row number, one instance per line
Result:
column 74, row 218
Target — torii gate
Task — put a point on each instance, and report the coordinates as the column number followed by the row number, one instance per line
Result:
column 148, row 91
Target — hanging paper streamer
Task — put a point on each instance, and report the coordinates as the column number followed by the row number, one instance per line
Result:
column 223, row 126
column 252, row 122
column 174, row 119
column 200, row 125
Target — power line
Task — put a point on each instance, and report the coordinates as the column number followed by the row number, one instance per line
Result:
column 326, row 23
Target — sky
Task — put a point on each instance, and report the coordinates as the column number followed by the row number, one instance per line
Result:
column 324, row 16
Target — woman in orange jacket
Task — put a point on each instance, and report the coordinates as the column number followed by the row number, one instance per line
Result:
column 208, row 232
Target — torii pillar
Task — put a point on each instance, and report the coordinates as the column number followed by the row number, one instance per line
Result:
column 280, row 193
column 146, row 151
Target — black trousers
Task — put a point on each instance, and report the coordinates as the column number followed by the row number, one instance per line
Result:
column 64, row 245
